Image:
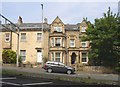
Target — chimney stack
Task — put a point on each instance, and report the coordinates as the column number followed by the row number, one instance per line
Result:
column 20, row 20
column 45, row 20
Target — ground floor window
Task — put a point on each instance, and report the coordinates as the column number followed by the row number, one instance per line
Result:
column 23, row 54
column 84, row 57
column 52, row 56
column 57, row 57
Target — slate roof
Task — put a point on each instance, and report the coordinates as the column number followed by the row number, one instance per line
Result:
column 33, row 26
column 38, row 26
column 71, row 27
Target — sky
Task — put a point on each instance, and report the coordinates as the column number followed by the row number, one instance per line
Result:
column 69, row 12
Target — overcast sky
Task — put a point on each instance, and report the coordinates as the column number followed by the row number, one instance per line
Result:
column 69, row 12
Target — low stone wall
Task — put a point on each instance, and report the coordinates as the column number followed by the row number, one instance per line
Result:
column 95, row 69
column 9, row 65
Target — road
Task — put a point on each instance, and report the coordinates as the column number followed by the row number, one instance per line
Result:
column 21, row 81
column 99, row 76
column 15, row 81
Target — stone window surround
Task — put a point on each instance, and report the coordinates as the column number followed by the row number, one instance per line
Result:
column 53, row 41
column 7, row 37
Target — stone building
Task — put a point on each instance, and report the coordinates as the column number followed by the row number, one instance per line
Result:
column 59, row 42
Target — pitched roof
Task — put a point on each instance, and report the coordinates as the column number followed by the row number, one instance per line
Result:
column 72, row 27
column 38, row 26
column 33, row 25
column 57, row 19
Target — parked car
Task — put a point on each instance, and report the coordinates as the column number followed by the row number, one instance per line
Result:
column 52, row 66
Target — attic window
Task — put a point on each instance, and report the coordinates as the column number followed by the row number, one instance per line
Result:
column 83, row 29
column 58, row 29
column 74, row 28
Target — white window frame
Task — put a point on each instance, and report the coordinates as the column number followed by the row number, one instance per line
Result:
column 39, row 36
column 57, row 41
column 57, row 57
column 52, row 42
column 63, row 42
column 84, row 57
column 83, row 29
column 7, row 37
column 52, row 56
column 23, row 55
column 23, row 38
column 84, row 42
column 58, row 29
column 72, row 42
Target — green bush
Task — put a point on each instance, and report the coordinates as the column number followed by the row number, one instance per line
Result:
column 45, row 59
column 118, row 68
column 9, row 56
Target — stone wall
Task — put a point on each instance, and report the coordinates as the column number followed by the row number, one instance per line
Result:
column 95, row 69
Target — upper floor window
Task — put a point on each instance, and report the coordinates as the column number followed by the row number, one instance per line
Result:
column 83, row 29
column 52, row 40
column 63, row 41
column 7, row 37
column 23, row 54
column 39, row 36
column 57, row 42
column 58, row 29
column 23, row 36
column 72, row 43
column 84, row 43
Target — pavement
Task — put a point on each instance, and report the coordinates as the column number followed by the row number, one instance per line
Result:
column 99, row 76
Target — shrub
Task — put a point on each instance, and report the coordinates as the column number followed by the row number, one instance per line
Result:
column 9, row 56
column 45, row 59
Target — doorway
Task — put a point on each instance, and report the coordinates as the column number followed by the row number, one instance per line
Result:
column 39, row 56
column 73, row 58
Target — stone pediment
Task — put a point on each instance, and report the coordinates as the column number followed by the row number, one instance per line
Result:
column 57, row 20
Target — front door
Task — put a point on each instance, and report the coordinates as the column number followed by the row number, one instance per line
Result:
column 73, row 58
column 39, row 56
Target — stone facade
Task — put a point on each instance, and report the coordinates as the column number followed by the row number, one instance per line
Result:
column 60, row 42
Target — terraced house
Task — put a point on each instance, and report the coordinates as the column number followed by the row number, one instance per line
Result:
column 60, row 42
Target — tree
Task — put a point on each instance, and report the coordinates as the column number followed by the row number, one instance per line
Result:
column 9, row 56
column 105, row 42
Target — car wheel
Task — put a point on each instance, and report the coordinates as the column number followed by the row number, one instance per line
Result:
column 69, row 71
column 49, row 70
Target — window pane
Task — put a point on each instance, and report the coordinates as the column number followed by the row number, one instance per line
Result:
column 58, row 41
column 58, row 29
column 7, row 37
column 52, row 56
column 84, row 44
column 83, row 29
column 84, row 57
column 72, row 43
column 57, row 58
column 23, row 36
column 39, row 36
column 58, row 55
column 23, row 54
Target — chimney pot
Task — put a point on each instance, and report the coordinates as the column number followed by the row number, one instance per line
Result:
column 20, row 20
